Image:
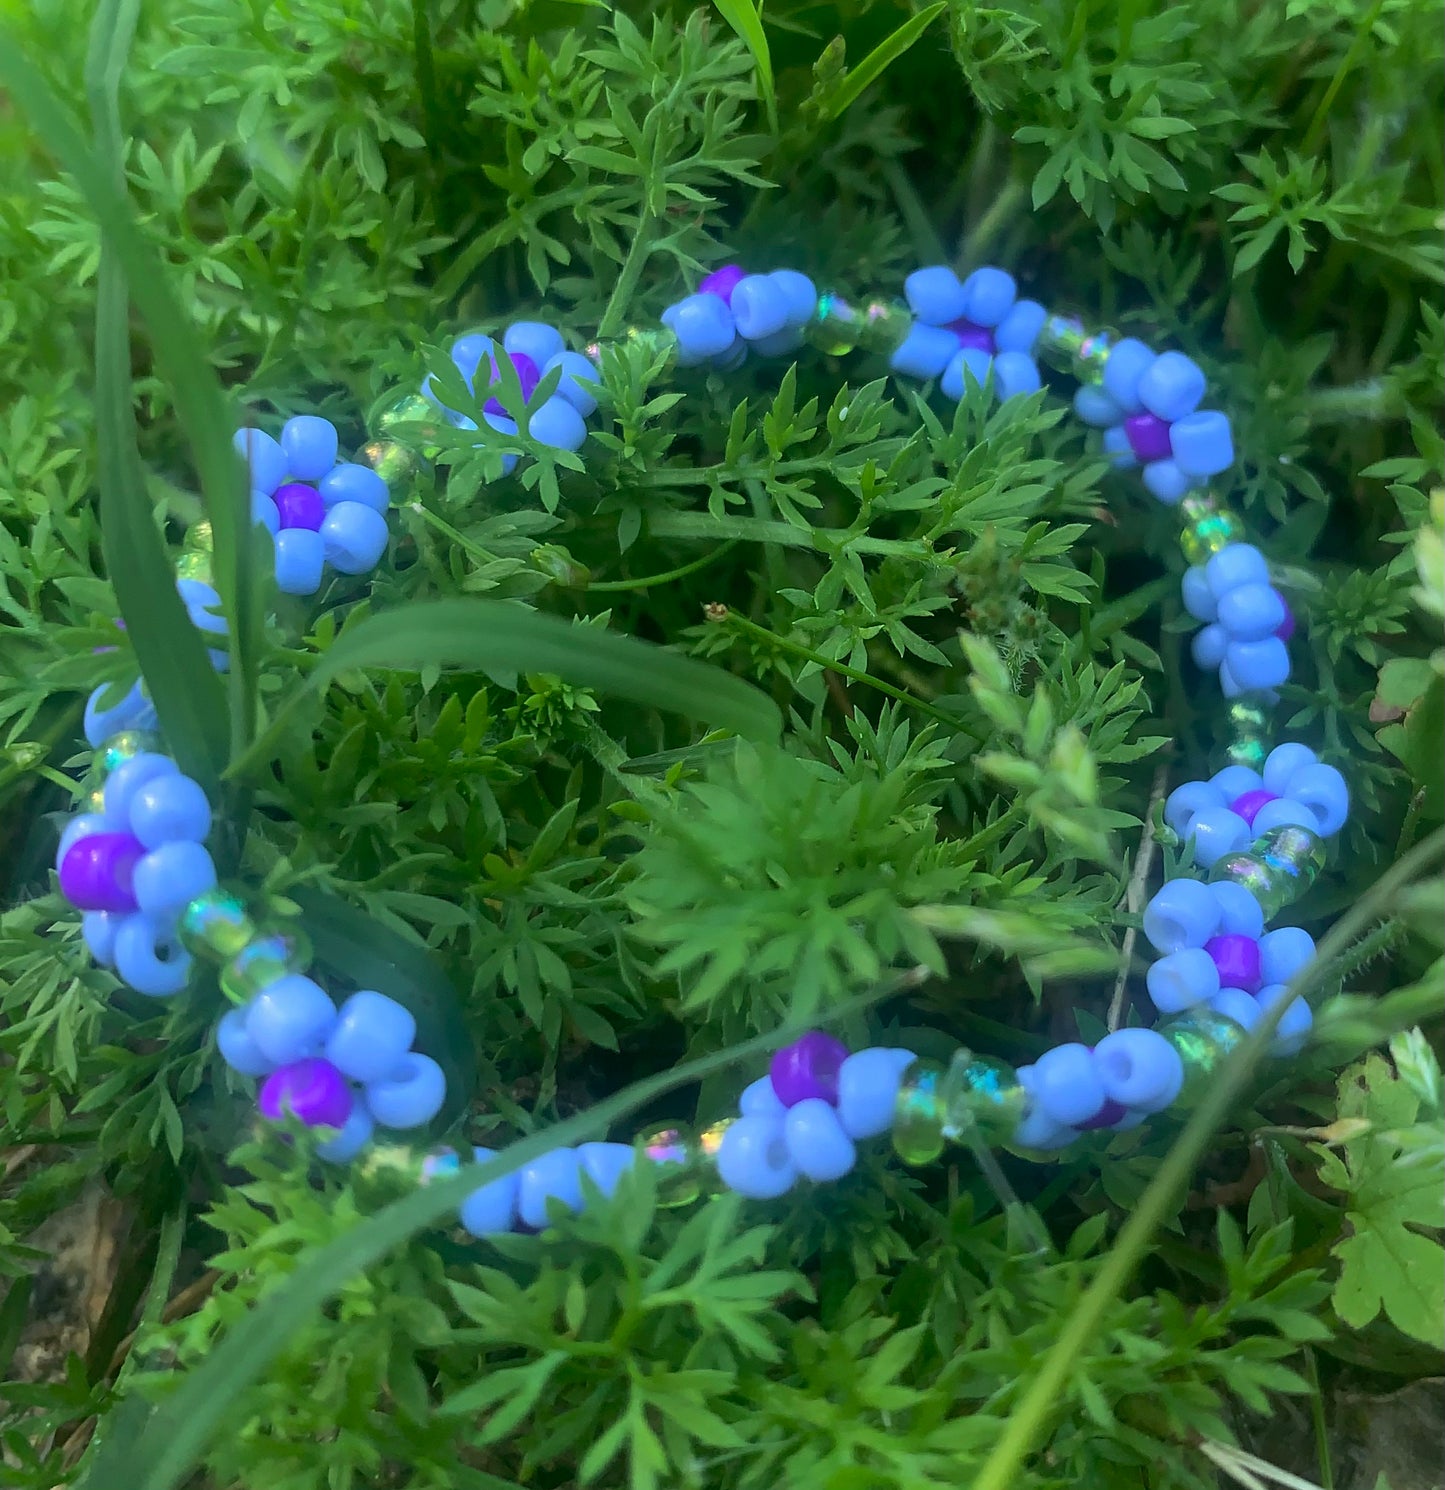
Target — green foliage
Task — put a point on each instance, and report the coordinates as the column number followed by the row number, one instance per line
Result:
column 481, row 789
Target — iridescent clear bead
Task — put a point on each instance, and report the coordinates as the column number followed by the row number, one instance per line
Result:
column 274, row 952
column 1204, row 1040
column 1093, row 352
column 983, row 1095
column 118, row 749
column 390, row 459
column 836, row 326
column 1293, row 851
column 885, row 325
column 1207, row 527
column 216, row 926
column 198, row 538
column 1249, row 733
column 195, row 563
column 918, row 1114
column 678, row 1161
column 412, row 419
column 1272, row 888
column 1059, row 342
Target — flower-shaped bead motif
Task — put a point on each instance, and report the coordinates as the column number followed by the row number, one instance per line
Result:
column 1247, row 622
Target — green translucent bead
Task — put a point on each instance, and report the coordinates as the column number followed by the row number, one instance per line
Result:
column 387, row 1171
column 216, row 926
column 198, row 538
column 1204, row 1040
column 836, row 327
column 1060, row 341
column 93, row 801
column 1247, row 750
column 414, row 416
column 658, row 342
column 1092, row 354
column 1207, row 527
column 125, row 746
column 918, row 1114
column 1271, row 888
column 1292, row 851
column 1249, row 732
column 390, row 459
column 679, row 1161
column 885, row 325
column 981, row 1094
column 272, row 953
column 195, row 563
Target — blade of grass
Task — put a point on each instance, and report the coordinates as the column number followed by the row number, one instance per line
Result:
column 180, row 357
column 173, row 1441
column 1049, row 1389
column 492, row 635
column 747, row 20
column 872, row 67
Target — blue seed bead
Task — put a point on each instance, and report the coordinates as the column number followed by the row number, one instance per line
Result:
column 988, row 296
column 1181, row 914
column 1202, row 443
column 353, row 537
column 1215, row 832
column 148, row 959
column 85, row 826
column 354, row 1135
column 172, row 875
column 1129, row 360
column 925, row 351
column 1116, row 444
column 557, row 424
column 1182, row 979
column 371, row 1037
column 169, row 808
column 265, row 459
column 290, row 1019
column 969, row 359
column 265, row 513
column 868, row 1085
column 704, row 328
column 1067, row 1084
column 605, row 1163
column 578, row 382
column 1165, row 482
column 1015, row 374
column 760, row 1098
column 1235, row 564
column 935, row 295
column 351, row 483
column 300, row 558
column 1283, row 812
column 1184, row 801
column 504, row 425
column 97, row 930
column 555, row 1176
column 1285, row 952
column 468, row 351
column 1281, row 764
column 1236, row 1004
column 533, row 339
column 1199, row 599
column 1095, row 407
column 1240, row 914
column 491, row 1209
column 1019, row 329
column 789, row 339
column 239, row 1051
column 1209, row 647
column 127, row 779
column 1293, row 1029
column 1171, row 386
column 1320, row 788
column 753, row 1159
column 1258, row 665
column 816, row 1141
column 800, row 293
column 1227, row 685
column 1140, row 1069
column 134, row 711
column 734, row 357
column 1036, row 1129
column 203, row 605
column 412, row 1095
column 759, row 307
column 1235, row 781
column 1251, row 612
column 310, row 446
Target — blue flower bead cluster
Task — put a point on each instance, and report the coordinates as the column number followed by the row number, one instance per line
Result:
column 318, row 510
column 1248, row 623
column 733, row 312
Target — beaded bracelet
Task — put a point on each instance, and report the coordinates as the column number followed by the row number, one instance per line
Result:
column 135, row 864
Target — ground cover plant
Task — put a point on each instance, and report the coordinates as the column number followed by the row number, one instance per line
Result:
column 929, row 820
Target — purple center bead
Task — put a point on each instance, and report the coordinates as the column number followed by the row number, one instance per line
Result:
column 1109, row 1114
column 722, row 282
column 1237, row 958
column 96, row 873
column 808, row 1068
column 1248, row 804
column 973, row 338
column 300, row 506
column 312, row 1090
column 1148, row 437
column 527, row 376
column 1285, row 629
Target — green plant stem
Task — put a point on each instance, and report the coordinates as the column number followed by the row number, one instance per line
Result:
column 627, row 281
column 649, row 581
column 1318, row 123
column 1317, row 1419
column 1049, row 1389
column 751, row 628
column 482, row 555
column 426, row 76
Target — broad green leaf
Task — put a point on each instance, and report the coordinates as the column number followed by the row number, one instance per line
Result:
column 747, row 20
column 1402, row 1272
column 872, row 67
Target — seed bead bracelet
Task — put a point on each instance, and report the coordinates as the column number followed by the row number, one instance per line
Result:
column 134, row 861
